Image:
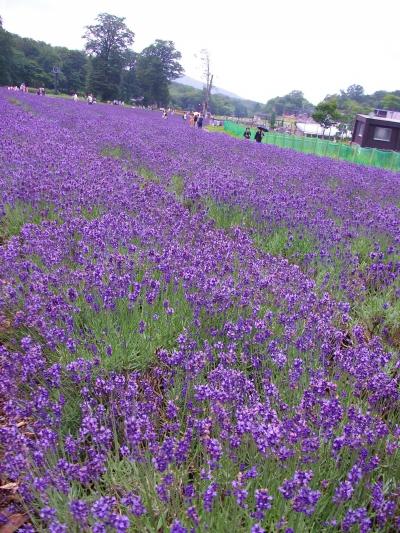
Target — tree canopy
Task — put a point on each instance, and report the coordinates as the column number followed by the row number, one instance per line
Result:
column 109, row 37
column 327, row 114
column 169, row 58
column 107, row 42
column 292, row 104
column 157, row 66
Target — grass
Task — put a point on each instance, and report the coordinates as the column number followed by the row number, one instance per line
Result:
column 120, row 329
column 177, row 186
column 227, row 216
column 215, row 129
column 147, row 175
column 123, row 154
column 25, row 106
column 17, row 215
column 95, row 212
column 115, row 152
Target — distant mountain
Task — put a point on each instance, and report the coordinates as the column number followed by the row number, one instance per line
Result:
column 187, row 80
column 188, row 97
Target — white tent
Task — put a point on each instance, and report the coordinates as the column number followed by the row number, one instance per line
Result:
column 310, row 128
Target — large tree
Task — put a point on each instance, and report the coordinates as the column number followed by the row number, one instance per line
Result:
column 107, row 43
column 391, row 101
column 74, row 70
column 355, row 92
column 292, row 103
column 129, row 87
column 157, row 66
column 151, row 80
column 326, row 113
column 169, row 58
column 6, row 53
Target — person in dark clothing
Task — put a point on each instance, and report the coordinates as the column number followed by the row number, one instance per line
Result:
column 200, row 122
column 247, row 133
column 259, row 135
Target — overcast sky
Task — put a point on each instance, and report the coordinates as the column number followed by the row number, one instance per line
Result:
column 258, row 48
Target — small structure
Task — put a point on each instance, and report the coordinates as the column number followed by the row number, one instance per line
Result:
column 312, row 129
column 260, row 117
column 380, row 129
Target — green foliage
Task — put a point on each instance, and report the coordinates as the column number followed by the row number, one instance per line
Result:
column 116, row 152
column 326, row 113
column 109, row 37
column 120, row 328
column 14, row 218
column 355, row 92
column 74, row 67
column 107, row 42
column 17, row 215
column 151, row 80
column 391, row 101
column 228, row 216
column 186, row 97
column 6, row 62
column 156, row 66
column 294, row 245
column 169, row 58
column 353, row 101
column 292, row 103
column 177, row 186
column 147, row 175
column 129, row 87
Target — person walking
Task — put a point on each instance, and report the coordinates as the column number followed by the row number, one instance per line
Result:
column 259, row 135
column 247, row 133
column 200, row 121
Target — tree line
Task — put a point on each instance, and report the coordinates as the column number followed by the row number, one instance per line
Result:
column 343, row 108
column 187, row 97
column 108, row 67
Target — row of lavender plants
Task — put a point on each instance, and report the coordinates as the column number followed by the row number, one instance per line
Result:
column 197, row 333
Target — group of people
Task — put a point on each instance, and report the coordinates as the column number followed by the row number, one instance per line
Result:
column 23, row 88
column 258, row 136
column 167, row 112
column 195, row 119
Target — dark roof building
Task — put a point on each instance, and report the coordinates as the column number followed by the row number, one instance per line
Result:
column 379, row 130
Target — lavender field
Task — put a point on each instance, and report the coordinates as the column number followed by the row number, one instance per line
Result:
column 196, row 333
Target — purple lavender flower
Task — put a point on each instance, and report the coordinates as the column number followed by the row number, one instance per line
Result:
column 306, row 500
column 257, row 529
column 209, row 496
column 134, row 504
column 79, row 510
column 357, row 517
column 177, row 527
column 263, row 503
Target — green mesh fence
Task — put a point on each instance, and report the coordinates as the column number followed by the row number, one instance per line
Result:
column 336, row 150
